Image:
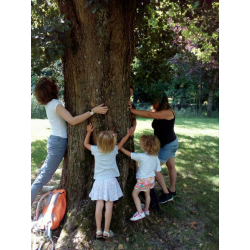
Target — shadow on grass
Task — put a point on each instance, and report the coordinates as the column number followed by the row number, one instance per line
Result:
column 197, row 187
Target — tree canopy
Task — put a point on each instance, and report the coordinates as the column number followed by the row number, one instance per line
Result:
column 167, row 35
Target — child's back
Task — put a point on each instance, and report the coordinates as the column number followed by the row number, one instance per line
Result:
column 148, row 164
column 105, row 163
column 106, row 187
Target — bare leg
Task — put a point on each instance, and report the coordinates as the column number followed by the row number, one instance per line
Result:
column 172, row 173
column 98, row 214
column 147, row 199
column 137, row 201
column 160, row 179
column 108, row 215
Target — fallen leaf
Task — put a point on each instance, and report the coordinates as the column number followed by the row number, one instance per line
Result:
column 204, row 193
column 120, row 246
column 175, row 224
column 107, row 240
column 210, row 234
column 194, row 225
column 184, row 185
column 127, row 239
column 149, row 248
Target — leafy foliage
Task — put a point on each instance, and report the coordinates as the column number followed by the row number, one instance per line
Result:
column 176, row 44
column 96, row 4
column 54, row 71
column 37, row 111
column 48, row 34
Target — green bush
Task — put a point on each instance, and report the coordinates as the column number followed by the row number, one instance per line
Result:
column 192, row 112
column 142, row 105
column 188, row 112
column 37, row 111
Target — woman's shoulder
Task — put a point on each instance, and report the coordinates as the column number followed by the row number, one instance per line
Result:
column 56, row 101
column 53, row 102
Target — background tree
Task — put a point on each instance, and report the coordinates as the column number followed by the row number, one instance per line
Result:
column 172, row 32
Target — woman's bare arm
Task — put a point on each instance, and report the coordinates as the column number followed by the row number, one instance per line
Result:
column 73, row 120
column 163, row 114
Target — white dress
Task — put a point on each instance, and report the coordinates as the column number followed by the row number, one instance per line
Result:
column 106, row 186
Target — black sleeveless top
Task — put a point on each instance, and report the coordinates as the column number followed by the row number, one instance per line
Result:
column 164, row 130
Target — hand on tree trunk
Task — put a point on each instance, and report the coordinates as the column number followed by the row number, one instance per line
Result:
column 100, row 109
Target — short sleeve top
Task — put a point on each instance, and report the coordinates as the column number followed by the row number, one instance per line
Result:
column 105, row 163
column 57, row 123
column 148, row 164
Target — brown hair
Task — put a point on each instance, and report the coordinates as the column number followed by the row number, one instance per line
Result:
column 106, row 141
column 164, row 103
column 46, row 90
column 150, row 144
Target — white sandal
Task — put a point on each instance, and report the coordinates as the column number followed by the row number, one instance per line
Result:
column 99, row 235
column 109, row 235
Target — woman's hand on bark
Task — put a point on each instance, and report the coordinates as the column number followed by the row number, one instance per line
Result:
column 100, row 109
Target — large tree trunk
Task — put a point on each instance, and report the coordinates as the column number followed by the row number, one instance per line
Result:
column 96, row 68
column 211, row 94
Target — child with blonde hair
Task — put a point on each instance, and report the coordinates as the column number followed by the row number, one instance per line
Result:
column 106, row 187
column 148, row 164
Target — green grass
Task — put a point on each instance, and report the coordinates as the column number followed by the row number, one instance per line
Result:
column 40, row 132
column 197, row 187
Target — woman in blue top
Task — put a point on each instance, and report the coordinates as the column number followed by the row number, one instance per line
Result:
column 163, row 125
column 46, row 92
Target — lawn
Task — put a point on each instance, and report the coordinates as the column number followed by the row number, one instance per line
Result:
column 191, row 221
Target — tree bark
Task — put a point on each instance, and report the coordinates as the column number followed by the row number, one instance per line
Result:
column 96, row 67
column 211, row 94
column 200, row 94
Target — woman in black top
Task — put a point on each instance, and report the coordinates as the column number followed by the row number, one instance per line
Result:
column 163, row 125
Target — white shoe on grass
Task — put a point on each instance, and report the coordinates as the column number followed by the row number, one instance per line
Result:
column 137, row 216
